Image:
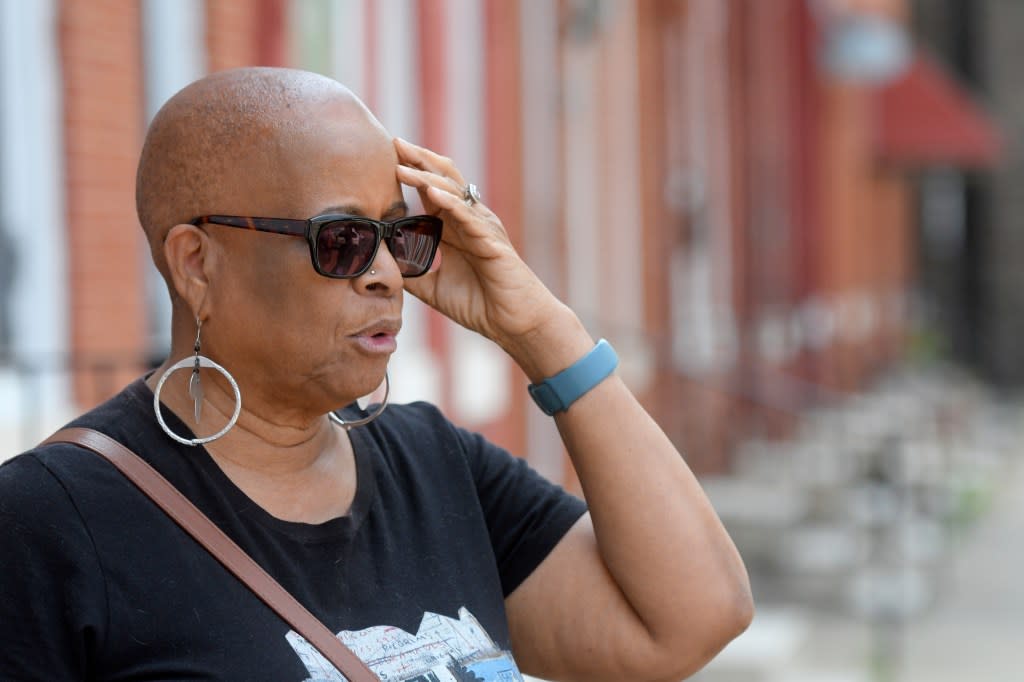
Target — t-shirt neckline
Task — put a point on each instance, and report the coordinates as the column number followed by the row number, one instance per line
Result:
column 363, row 447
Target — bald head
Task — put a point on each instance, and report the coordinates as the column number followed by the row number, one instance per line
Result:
column 212, row 142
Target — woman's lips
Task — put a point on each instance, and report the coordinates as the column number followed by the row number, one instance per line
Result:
column 381, row 342
column 379, row 337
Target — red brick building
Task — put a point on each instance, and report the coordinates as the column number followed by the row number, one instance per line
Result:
column 685, row 173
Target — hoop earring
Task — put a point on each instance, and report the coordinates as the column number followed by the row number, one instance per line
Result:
column 365, row 420
column 195, row 391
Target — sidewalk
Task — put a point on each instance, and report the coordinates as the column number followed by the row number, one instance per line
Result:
column 973, row 633
column 977, row 630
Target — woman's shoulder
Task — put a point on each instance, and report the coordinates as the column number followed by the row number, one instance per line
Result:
column 57, row 474
column 420, row 431
column 38, row 494
column 415, row 422
column 25, row 479
column 63, row 467
column 413, row 415
column 415, row 436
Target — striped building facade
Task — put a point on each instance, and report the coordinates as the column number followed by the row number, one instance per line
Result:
column 682, row 172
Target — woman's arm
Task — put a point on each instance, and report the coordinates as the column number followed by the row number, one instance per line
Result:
column 648, row 586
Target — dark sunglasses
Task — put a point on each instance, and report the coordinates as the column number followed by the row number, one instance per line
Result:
column 344, row 246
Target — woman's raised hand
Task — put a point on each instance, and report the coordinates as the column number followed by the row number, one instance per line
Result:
column 480, row 281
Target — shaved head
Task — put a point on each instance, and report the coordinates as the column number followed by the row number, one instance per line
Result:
column 209, row 142
column 270, row 143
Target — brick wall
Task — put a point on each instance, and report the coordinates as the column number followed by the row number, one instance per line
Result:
column 103, row 114
column 245, row 33
column 103, row 86
column 504, row 173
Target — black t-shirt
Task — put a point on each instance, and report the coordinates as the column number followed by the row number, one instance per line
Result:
column 97, row 583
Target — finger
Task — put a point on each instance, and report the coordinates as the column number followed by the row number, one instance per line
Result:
column 480, row 234
column 458, row 209
column 406, row 177
column 420, row 157
column 421, row 180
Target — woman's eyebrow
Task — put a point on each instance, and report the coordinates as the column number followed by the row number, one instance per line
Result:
column 351, row 209
column 348, row 209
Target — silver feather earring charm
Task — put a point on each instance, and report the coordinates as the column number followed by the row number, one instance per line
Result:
column 195, row 385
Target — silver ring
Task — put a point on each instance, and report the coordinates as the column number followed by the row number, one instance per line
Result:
column 471, row 195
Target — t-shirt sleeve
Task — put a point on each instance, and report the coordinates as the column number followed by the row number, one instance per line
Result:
column 527, row 515
column 52, row 593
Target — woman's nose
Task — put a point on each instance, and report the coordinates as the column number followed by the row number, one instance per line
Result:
column 383, row 272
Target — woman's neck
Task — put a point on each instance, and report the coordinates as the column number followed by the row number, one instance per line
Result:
column 302, row 469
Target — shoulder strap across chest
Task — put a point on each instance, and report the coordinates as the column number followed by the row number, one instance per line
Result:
column 223, row 548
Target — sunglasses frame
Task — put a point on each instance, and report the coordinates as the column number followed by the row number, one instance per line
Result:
column 310, row 229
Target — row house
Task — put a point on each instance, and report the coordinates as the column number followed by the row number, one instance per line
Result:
column 723, row 188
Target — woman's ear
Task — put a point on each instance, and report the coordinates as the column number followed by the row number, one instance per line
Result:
column 187, row 251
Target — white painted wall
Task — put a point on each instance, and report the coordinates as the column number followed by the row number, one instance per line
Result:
column 621, row 264
column 348, row 29
column 396, row 84
column 414, row 369
column 704, row 325
column 480, row 370
column 581, row 202
column 542, row 186
column 32, row 212
column 174, row 55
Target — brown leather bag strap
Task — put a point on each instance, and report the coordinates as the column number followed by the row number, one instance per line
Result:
column 207, row 534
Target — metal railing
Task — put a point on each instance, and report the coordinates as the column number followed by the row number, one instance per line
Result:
column 41, row 391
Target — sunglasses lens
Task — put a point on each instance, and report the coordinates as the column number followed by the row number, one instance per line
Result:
column 344, row 247
column 414, row 244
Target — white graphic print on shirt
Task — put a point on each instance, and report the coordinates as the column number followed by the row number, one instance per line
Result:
column 443, row 650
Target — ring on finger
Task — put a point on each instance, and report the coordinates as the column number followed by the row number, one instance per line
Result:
column 471, row 194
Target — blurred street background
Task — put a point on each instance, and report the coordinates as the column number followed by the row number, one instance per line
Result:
column 797, row 220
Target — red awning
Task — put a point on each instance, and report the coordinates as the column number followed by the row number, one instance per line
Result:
column 925, row 117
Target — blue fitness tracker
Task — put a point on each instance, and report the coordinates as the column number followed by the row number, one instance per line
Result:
column 557, row 393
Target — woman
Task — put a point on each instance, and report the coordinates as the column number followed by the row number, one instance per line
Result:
column 273, row 207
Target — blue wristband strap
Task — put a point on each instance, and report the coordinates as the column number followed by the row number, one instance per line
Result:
column 557, row 393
